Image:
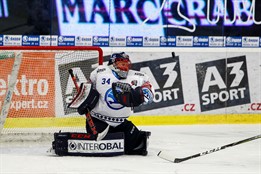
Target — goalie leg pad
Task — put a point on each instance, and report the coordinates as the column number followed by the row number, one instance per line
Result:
column 82, row 144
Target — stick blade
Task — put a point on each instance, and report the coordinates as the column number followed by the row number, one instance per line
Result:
column 166, row 156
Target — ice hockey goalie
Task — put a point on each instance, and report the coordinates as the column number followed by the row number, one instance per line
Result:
column 109, row 98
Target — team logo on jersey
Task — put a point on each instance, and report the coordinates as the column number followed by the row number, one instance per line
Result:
column 111, row 100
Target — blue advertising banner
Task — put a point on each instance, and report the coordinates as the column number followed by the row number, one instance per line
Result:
column 30, row 40
column 66, row 41
column 132, row 41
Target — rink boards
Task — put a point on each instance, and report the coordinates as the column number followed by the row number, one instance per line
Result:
column 138, row 120
column 192, row 86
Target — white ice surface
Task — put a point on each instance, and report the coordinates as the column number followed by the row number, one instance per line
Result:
column 179, row 141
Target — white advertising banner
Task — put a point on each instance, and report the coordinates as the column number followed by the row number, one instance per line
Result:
column 196, row 81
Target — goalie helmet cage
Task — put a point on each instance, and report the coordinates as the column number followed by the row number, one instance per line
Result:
column 35, row 87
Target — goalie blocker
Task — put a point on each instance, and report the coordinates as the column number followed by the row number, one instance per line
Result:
column 83, row 144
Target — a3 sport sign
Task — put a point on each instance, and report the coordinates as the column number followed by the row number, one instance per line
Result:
column 164, row 74
column 223, row 83
column 165, row 77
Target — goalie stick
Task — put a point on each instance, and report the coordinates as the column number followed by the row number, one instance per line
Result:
column 99, row 136
column 166, row 156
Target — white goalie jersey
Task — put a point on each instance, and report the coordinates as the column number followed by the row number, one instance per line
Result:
column 107, row 108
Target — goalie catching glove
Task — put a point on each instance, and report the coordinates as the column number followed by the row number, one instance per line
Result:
column 86, row 99
column 127, row 96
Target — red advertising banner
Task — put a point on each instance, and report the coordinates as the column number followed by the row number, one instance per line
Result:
column 34, row 92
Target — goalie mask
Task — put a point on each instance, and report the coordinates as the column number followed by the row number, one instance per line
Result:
column 120, row 64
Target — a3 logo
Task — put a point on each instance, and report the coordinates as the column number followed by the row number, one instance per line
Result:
column 223, row 83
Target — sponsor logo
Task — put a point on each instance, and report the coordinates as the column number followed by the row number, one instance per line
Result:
column 117, row 41
column 123, row 17
column 216, row 41
column 88, row 146
column 250, row 41
column 168, row 41
column 165, row 73
column 26, row 86
column 33, row 95
column 83, row 41
column 66, row 41
column 80, row 136
column 111, row 100
column 138, row 74
column 83, row 38
column 100, row 41
column 135, row 16
column 234, row 42
column 30, row 40
column 12, row 40
column 100, row 70
column 48, row 40
column 184, row 41
column 134, row 41
column 200, row 41
column 151, row 41
column 223, row 83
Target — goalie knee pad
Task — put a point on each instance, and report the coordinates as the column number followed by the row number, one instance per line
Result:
column 82, row 144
